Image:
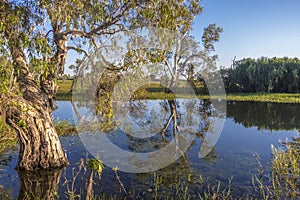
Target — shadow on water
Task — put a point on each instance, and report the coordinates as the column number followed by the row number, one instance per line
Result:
column 249, row 128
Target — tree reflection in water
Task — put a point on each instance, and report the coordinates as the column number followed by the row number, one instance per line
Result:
column 249, row 114
column 41, row 184
column 271, row 116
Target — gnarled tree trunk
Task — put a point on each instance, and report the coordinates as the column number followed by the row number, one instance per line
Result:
column 40, row 147
column 30, row 114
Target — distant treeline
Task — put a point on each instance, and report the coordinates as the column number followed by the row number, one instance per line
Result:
column 276, row 75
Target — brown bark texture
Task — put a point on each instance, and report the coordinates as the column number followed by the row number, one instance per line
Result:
column 40, row 147
column 29, row 112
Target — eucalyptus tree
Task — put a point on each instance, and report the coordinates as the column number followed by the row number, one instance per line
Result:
column 175, row 52
column 37, row 35
column 188, row 61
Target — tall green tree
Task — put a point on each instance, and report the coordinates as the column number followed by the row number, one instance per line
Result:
column 278, row 75
column 36, row 37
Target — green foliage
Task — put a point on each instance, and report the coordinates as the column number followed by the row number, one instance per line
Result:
column 64, row 127
column 175, row 15
column 6, row 74
column 96, row 165
column 8, row 137
column 45, row 28
column 211, row 34
column 276, row 75
column 284, row 180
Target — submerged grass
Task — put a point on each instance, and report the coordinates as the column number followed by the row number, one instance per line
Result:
column 178, row 190
column 155, row 91
column 282, row 183
column 286, row 171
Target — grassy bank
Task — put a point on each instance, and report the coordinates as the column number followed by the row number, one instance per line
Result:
column 8, row 137
column 154, row 91
column 261, row 97
column 63, row 92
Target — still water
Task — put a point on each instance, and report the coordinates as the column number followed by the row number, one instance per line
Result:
column 249, row 128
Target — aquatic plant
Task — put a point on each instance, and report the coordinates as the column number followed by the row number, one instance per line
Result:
column 284, row 181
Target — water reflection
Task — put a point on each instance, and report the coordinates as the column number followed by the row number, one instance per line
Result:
column 39, row 184
column 171, row 125
column 231, row 157
column 269, row 116
column 242, row 136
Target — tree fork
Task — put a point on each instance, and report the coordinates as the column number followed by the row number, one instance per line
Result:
column 30, row 114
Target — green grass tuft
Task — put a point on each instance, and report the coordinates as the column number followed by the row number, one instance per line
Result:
column 64, row 127
column 8, row 137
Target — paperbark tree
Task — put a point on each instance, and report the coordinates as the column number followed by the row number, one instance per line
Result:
column 36, row 36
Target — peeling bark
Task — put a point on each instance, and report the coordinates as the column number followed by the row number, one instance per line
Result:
column 57, row 63
column 30, row 114
column 40, row 147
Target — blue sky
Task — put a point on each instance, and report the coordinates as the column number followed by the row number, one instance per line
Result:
column 252, row 28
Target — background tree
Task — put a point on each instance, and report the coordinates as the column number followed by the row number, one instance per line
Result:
column 178, row 56
column 175, row 52
column 277, row 75
column 173, row 16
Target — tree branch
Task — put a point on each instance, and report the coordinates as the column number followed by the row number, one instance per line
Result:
column 112, row 21
column 169, row 67
column 100, row 30
column 190, row 57
column 79, row 50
